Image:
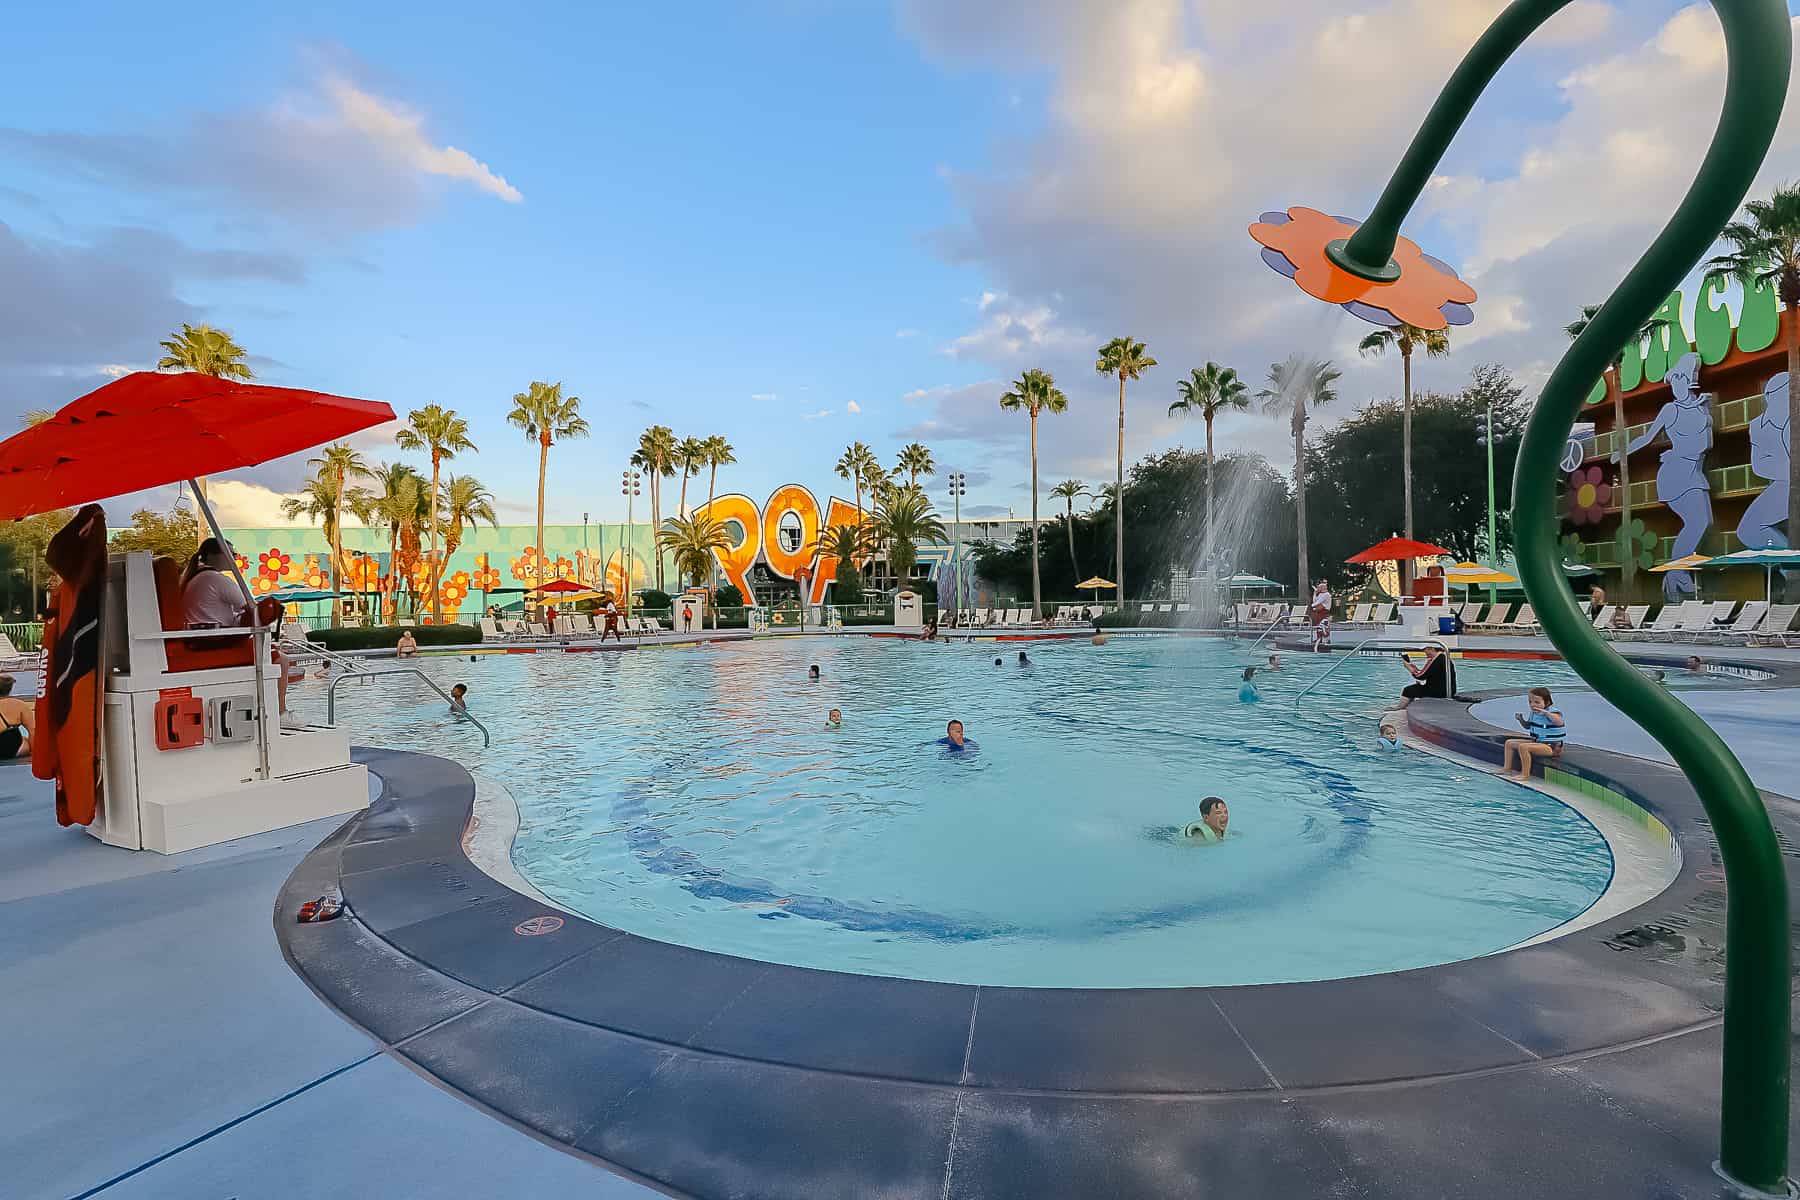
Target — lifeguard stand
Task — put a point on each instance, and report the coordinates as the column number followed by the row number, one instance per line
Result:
column 194, row 753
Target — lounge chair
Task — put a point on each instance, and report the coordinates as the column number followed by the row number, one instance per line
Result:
column 1146, row 607
column 1604, row 618
column 1524, row 621
column 1634, row 620
column 1181, row 608
column 537, row 630
column 1709, row 618
column 1470, row 614
column 1297, row 615
column 1496, row 618
column 581, row 625
column 490, row 630
column 1774, row 628
column 654, row 625
column 1668, row 620
column 1165, row 608
column 1749, row 619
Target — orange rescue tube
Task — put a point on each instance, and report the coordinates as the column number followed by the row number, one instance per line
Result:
column 67, row 745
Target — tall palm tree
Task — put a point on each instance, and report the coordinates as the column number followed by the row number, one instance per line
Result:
column 1127, row 359
column 1297, row 386
column 845, row 544
column 336, row 465
column 1067, row 491
column 206, row 351
column 398, row 502
column 1032, row 393
column 915, row 459
column 545, row 415
column 323, row 501
column 35, row 416
column 655, row 457
column 718, row 454
column 441, row 433
column 466, row 502
column 855, row 467
column 1406, row 338
column 691, row 542
column 1209, row 391
column 690, row 456
column 1765, row 247
column 900, row 522
column 1627, row 562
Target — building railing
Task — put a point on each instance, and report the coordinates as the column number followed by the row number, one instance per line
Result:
column 25, row 636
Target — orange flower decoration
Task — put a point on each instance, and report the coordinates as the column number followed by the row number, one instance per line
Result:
column 484, row 579
column 243, row 564
column 273, row 563
column 1428, row 293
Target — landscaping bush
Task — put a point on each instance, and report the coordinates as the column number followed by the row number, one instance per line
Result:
column 650, row 599
column 728, row 596
column 881, row 617
column 385, row 637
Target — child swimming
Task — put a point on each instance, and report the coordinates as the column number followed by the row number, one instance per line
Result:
column 1215, row 815
column 1247, row 693
column 834, row 719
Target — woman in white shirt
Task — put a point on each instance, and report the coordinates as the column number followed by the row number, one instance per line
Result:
column 211, row 598
column 1321, row 616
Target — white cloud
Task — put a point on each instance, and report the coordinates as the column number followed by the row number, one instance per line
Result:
column 853, row 407
column 764, row 396
column 401, row 133
column 906, row 333
column 816, row 416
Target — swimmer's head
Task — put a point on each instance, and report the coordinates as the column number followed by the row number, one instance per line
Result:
column 459, row 691
column 1696, row 663
column 1274, row 662
column 1249, row 673
column 954, row 731
column 1022, row 659
column 834, row 716
column 812, row 672
column 996, row 662
column 1215, row 813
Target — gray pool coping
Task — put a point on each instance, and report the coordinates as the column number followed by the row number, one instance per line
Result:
column 710, row 1075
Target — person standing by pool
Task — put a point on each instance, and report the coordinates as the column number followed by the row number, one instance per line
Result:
column 1547, row 729
column 1436, row 679
column 1321, row 616
column 953, row 739
column 612, row 621
column 1215, row 816
column 1247, row 693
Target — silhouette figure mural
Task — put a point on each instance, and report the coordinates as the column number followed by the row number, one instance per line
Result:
column 1681, row 481
column 1770, row 439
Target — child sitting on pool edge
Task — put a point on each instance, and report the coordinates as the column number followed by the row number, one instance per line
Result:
column 1547, row 730
column 1210, row 828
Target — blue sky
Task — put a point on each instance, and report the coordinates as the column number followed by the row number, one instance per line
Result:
column 746, row 218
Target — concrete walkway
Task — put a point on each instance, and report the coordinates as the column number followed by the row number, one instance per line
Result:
column 156, row 1044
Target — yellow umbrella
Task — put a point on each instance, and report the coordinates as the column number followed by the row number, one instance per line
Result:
column 1683, row 564
column 1472, row 574
column 1094, row 582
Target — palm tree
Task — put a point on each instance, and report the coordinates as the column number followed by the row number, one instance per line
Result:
column 855, row 467
column 655, row 457
column 690, row 456
column 900, row 522
column 1127, row 359
column 399, row 504
column 1209, row 391
column 336, row 465
column 915, row 459
column 33, row 417
column 1766, row 248
column 545, row 414
column 691, row 541
column 323, row 501
column 1627, row 562
column 845, row 544
column 206, row 351
column 1406, row 338
column 1067, row 491
column 466, row 502
column 441, row 433
column 1034, row 392
column 1297, row 386
column 718, row 454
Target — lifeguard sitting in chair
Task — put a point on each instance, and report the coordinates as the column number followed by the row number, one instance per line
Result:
column 207, row 596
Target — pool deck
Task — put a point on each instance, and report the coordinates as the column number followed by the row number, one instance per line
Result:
column 159, row 1046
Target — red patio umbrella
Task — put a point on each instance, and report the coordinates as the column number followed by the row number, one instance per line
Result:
column 562, row 585
column 148, row 429
column 1397, row 549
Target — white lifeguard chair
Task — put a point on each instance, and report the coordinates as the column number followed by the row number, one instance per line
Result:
column 193, row 749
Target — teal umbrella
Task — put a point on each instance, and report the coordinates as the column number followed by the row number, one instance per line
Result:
column 1768, row 559
column 1250, row 582
column 295, row 594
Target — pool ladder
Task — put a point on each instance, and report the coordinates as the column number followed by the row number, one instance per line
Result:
column 1379, row 643
column 331, row 696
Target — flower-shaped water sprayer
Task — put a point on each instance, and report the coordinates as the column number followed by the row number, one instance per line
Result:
column 1372, row 271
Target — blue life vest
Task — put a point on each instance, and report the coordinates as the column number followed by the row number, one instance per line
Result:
column 1542, row 730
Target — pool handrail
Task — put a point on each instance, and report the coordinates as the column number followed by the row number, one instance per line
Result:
column 487, row 739
column 1393, row 643
column 1279, row 623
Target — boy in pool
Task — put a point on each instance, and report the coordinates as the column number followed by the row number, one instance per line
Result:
column 953, row 739
column 1215, row 815
column 1389, row 738
column 1247, row 693
column 834, row 719
column 459, row 702
column 812, row 673
column 1023, row 661
column 1547, row 730
column 1274, row 663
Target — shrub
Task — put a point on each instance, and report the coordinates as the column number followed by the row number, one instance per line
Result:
column 385, row 637
column 926, row 588
column 883, row 616
column 650, row 598
column 728, row 596
column 847, row 588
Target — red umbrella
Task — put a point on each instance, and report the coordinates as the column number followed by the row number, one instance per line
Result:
column 149, row 429
column 563, row 585
column 1396, row 549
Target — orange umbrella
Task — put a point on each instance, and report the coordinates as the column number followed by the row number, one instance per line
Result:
column 1397, row 549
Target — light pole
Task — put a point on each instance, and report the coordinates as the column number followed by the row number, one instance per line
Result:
column 628, row 487
column 1484, row 436
column 959, row 486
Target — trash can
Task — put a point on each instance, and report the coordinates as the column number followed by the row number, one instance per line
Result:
column 1447, row 625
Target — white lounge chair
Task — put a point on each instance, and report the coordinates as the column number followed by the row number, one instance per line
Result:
column 1749, row 619
column 1496, row 618
column 1708, row 619
column 537, row 630
column 1470, row 614
column 1165, row 608
column 490, row 630
column 1524, row 621
column 1668, row 620
column 1604, row 618
column 1775, row 626
column 1181, row 608
column 654, row 625
column 1634, row 619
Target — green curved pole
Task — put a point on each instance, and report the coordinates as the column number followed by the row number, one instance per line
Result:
column 1753, row 1118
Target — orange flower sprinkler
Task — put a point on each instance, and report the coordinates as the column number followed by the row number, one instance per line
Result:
column 1409, row 288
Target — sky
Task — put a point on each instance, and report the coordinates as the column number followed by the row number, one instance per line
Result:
column 800, row 223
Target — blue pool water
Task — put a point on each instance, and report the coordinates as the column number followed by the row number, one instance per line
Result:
column 693, row 795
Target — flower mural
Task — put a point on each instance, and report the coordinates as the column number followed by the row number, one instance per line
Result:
column 1574, row 550
column 273, row 563
column 243, row 564
column 1426, row 293
column 312, row 575
column 1638, row 543
column 484, row 578
column 1589, row 494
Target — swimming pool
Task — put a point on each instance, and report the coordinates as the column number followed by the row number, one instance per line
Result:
column 693, row 795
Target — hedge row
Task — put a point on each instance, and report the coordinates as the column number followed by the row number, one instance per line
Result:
column 386, row 637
